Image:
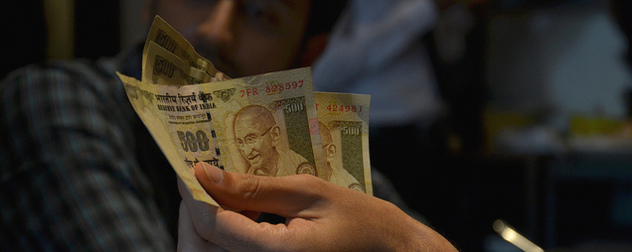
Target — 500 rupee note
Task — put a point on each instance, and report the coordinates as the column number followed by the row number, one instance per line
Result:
column 164, row 67
column 264, row 125
column 344, row 128
column 267, row 124
column 168, row 38
column 146, row 99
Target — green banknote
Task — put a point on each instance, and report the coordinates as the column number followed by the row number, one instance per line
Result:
column 344, row 128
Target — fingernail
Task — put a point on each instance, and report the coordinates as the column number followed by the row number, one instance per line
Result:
column 214, row 174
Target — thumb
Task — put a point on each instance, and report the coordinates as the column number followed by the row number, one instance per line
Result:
column 290, row 196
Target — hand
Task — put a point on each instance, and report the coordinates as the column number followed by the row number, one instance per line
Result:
column 320, row 216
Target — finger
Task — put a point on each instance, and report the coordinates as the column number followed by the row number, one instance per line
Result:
column 235, row 232
column 227, row 229
column 188, row 238
column 200, row 207
column 201, row 212
column 285, row 196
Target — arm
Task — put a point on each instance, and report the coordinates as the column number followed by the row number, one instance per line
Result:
column 68, row 160
column 321, row 216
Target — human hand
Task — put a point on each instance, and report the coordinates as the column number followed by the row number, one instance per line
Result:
column 320, row 216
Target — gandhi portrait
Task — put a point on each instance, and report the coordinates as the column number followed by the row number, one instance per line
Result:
column 339, row 175
column 258, row 137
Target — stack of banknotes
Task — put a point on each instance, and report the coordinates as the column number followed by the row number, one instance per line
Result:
column 272, row 124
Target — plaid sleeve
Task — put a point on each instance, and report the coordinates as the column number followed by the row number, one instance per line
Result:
column 70, row 180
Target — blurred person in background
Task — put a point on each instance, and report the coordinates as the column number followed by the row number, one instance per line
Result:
column 79, row 169
column 84, row 173
column 376, row 48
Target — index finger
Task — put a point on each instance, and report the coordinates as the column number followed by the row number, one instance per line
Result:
column 203, row 212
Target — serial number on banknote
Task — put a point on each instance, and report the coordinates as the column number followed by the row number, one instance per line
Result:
column 275, row 87
column 334, row 108
column 272, row 88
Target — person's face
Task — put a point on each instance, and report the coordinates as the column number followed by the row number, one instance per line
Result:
column 256, row 143
column 241, row 37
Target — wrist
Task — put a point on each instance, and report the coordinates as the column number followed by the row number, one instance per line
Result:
column 419, row 237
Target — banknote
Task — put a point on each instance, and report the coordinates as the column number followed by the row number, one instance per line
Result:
column 344, row 128
column 267, row 124
column 168, row 38
column 147, row 102
column 164, row 67
column 263, row 125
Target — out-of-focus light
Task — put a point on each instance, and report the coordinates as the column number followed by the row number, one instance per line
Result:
column 510, row 235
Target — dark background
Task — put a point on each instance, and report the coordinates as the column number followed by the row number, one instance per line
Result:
column 460, row 193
